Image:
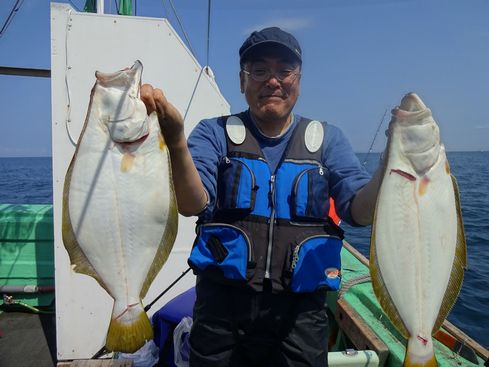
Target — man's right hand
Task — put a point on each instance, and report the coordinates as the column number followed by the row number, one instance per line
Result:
column 190, row 192
column 171, row 121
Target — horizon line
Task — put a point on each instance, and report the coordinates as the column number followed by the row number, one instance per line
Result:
column 376, row 152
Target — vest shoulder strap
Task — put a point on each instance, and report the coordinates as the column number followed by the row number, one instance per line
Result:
column 240, row 142
column 307, row 141
column 305, row 144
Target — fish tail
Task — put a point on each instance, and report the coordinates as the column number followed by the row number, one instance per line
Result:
column 412, row 362
column 420, row 353
column 129, row 330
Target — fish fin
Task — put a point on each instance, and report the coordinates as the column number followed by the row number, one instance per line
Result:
column 129, row 331
column 410, row 362
column 380, row 289
column 458, row 267
column 460, row 225
column 167, row 240
column 75, row 253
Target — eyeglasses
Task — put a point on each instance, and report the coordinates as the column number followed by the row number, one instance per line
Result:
column 262, row 75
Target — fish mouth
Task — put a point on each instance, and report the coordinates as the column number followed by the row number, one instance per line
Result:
column 123, row 79
column 127, row 143
column 411, row 109
column 412, row 103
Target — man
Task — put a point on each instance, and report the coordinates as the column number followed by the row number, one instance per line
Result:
column 266, row 252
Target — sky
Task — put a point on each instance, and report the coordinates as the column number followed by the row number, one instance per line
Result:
column 359, row 58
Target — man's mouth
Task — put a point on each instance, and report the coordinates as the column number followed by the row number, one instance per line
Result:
column 272, row 96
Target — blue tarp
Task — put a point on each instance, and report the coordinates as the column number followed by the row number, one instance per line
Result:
column 166, row 319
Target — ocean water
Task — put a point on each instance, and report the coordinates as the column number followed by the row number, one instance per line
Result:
column 26, row 180
column 29, row 181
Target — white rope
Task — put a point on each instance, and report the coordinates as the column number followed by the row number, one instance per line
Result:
column 352, row 282
column 68, row 92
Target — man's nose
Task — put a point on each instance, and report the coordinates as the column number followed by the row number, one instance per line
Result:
column 273, row 80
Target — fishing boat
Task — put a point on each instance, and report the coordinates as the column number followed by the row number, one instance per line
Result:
column 361, row 334
column 43, row 312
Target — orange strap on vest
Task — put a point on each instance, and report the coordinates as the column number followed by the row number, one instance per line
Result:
column 332, row 212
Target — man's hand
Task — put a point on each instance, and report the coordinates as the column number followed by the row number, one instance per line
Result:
column 171, row 121
column 363, row 205
column 190, row 192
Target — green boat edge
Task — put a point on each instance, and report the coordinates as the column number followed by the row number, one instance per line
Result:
column 357, row 321
column 27, row 253
column 362, row 324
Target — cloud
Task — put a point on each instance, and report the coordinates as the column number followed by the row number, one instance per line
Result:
column 482, row 126
column 288, row 24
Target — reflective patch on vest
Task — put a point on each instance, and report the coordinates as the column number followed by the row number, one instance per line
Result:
column 332, row 273
column 314, row 136
column 235, row 129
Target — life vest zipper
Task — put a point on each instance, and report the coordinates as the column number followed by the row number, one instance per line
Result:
column 270, row 227
column 253, row 179
column 295, row 254
column 298, row 178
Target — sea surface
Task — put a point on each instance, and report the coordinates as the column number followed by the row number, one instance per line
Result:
column 26, row 180
column 29, row 181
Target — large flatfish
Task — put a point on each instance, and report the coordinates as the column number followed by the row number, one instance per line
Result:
column 418, row 250
column 119, row 208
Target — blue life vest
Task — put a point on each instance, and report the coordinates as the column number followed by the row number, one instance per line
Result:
column 271, row 225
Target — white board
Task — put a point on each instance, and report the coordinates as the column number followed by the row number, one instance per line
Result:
column 82, row 43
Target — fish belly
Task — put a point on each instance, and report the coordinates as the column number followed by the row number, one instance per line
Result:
column 120, row 202
column 118, row 214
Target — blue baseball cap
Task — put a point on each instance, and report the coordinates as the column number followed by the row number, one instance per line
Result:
column 272, row 36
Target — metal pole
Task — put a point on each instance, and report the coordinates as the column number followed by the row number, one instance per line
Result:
column 42, row 73
column 100, row 6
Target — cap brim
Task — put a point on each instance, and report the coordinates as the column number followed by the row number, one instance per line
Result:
column 246, row 54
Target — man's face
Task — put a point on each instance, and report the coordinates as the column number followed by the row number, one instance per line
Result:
column 272, row 99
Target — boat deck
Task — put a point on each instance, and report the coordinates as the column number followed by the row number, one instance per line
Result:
column 27, row 340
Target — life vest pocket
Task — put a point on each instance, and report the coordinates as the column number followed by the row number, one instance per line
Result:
column 236, row 185
column 221, row 246
column 310, row 195
column 313, row 263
